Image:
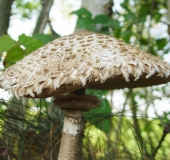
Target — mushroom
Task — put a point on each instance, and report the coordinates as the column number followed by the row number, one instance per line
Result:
column 66, row 66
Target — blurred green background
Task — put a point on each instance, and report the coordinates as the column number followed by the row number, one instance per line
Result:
column 130, row 124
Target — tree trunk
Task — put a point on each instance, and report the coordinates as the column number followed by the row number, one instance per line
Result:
column 44, row 16
column 5, row 13
column 97, row 7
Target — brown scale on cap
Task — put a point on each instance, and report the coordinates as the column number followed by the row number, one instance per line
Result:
column 83, row 59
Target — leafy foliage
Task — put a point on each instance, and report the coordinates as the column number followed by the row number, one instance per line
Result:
column 13, row 54
column 96, row 24
column 6, row 43
column 130, row 25
column 16, row 50
column 32, row 128
column 99, row 116
column 26, row 9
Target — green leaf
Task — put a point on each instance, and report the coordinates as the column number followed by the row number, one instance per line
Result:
column 29, row 43
column 116, row 24
column 14, row 54
column 142, row 19
column 144, row 41
column 143, row 13
column 106, row 110
column 157, row 17
column 44, row 38
column 166, row 51
column 100, row 116
column 125, row 4
column 82, row 13
column 130, row 17
column 117, row 32
column 152, row 50
column 102, row 19
column 6, row 43
column 86, row 23
column 126, row 35
column 97, row 93
column 161, row 43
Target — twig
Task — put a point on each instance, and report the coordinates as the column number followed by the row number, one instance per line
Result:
column 136, row 125
column 44, row 16
column 120, row 119
column 165, row 132
column 54, row 34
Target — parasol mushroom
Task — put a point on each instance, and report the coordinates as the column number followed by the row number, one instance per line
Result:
column 66, row 66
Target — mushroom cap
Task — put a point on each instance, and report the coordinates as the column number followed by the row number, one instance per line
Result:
column 83, row 59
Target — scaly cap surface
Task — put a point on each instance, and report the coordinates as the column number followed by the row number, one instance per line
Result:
column 83, row 59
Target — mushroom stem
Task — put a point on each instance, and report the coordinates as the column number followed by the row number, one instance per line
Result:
column 73, row 127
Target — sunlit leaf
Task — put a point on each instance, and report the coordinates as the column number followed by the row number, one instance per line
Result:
column 117, row 32
column 6, row 43
column 82, row 13
column 44, row 38
column 98, row 93
column 30, row 43
column 130, row 16
column 102, row 19
column 161, row 43
column 116, row 24
column 100, row 116
column 125, row 4
column 126, row 35
column 86, row 23
column 14, row 54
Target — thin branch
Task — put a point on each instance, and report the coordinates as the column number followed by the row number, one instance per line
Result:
column 54, row 34
column 43, row 17
column 136, row 125
column 5, row 13
column 120, row 119
column 160, row 143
